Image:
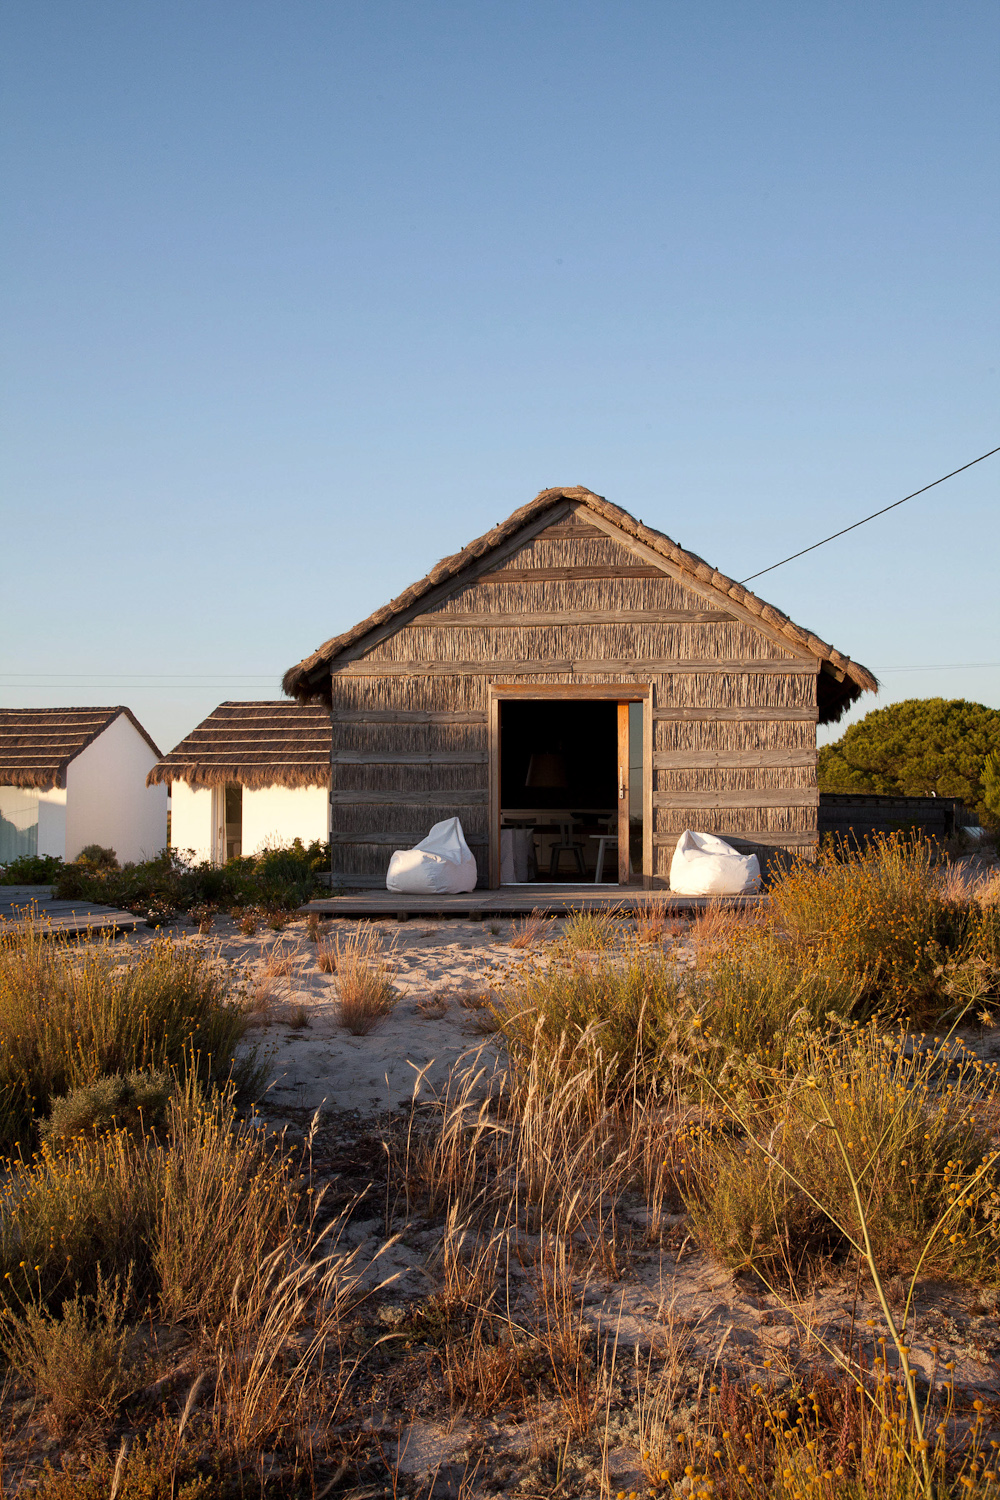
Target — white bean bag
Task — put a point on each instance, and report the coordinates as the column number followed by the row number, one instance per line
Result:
column 704, row 865
column 441, row 864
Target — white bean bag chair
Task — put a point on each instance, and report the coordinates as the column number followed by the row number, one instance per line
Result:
column 704, row 865
column 442, row 864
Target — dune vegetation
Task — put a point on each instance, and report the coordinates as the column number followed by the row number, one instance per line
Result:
column 794, row 1103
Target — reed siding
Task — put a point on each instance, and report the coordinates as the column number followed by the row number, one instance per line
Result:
column 735, row 705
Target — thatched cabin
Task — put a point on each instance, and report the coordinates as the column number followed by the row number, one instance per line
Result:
column 569, row 682
column 70, row 777
column 250, row 776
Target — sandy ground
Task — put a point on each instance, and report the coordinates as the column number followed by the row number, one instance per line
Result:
column 440, row 969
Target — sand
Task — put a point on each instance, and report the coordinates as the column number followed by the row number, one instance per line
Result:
column 439, row 1027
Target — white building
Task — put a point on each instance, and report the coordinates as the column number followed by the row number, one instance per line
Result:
column 251, row 776
column 70, row 777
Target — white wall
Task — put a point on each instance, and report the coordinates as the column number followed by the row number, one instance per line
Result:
column 107, row 799
column 279, row 814
column 191, row 819
column 52, row 822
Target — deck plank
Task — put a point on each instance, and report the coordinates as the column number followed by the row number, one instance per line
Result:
column 509, row 900
column 65, row 918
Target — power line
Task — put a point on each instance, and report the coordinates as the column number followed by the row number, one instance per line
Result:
column 874, row 513
column 941, row 666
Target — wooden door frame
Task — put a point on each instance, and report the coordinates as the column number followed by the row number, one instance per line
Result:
column 614, row 692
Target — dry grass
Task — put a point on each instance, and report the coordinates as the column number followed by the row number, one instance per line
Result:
column 326, row 958
column 69, row 1016
column 715, row 928
column 592, row 930
column 366, row 995
column 433, row 1008
column 277, row 962
column 968, row 881
column 653, row 922
column 529, row 930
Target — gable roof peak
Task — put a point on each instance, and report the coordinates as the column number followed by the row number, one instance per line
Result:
column 307, row 681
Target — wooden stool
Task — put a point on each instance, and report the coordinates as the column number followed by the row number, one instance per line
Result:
column 566, row 845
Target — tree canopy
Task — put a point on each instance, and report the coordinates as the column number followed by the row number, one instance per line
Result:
column 916, row 748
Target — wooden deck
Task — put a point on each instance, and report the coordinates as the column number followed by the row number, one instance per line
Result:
column 512, row 901
column 63, row 918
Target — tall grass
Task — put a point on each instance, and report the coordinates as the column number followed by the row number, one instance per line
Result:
column 626, row 1008
column 181, row 1217
column 71, row 1015
column 858, row 1111
column 365, row 992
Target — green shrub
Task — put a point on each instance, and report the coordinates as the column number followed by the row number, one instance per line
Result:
column 134, row 1102
column 70, row 1016
column 281, row 878
column 32, row 869
column 157, row 1466
column 97, row 857
column 754, row 1000
column 878, row 918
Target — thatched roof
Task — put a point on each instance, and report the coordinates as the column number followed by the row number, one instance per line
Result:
column 841, row 683
column 254, row 744
column 37, row 744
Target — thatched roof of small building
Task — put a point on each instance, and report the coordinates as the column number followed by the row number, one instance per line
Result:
column 37, row 744
column 255, row 745
column 309, row 682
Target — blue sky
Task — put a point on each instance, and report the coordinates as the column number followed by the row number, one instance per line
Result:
column 299, row 297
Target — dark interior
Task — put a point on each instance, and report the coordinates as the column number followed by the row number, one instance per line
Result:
column 558, row 790
column 579, row 741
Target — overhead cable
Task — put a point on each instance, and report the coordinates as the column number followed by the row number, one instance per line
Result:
column 874, row 513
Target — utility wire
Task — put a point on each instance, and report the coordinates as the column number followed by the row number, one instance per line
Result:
column 874, row 513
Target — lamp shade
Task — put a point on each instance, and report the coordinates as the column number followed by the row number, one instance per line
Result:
column 547, row 768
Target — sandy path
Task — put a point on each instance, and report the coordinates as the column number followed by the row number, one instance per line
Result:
column 439, row 968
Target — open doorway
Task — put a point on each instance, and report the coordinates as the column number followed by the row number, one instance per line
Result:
column 227, row 822
column 570, row 790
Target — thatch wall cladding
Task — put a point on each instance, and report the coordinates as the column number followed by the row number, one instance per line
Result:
column 37, row 744
column 255, row 744
column 735, row 685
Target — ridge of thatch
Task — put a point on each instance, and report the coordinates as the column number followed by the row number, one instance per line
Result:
column 255, row 744
column 37, row 744
column 308, row 680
